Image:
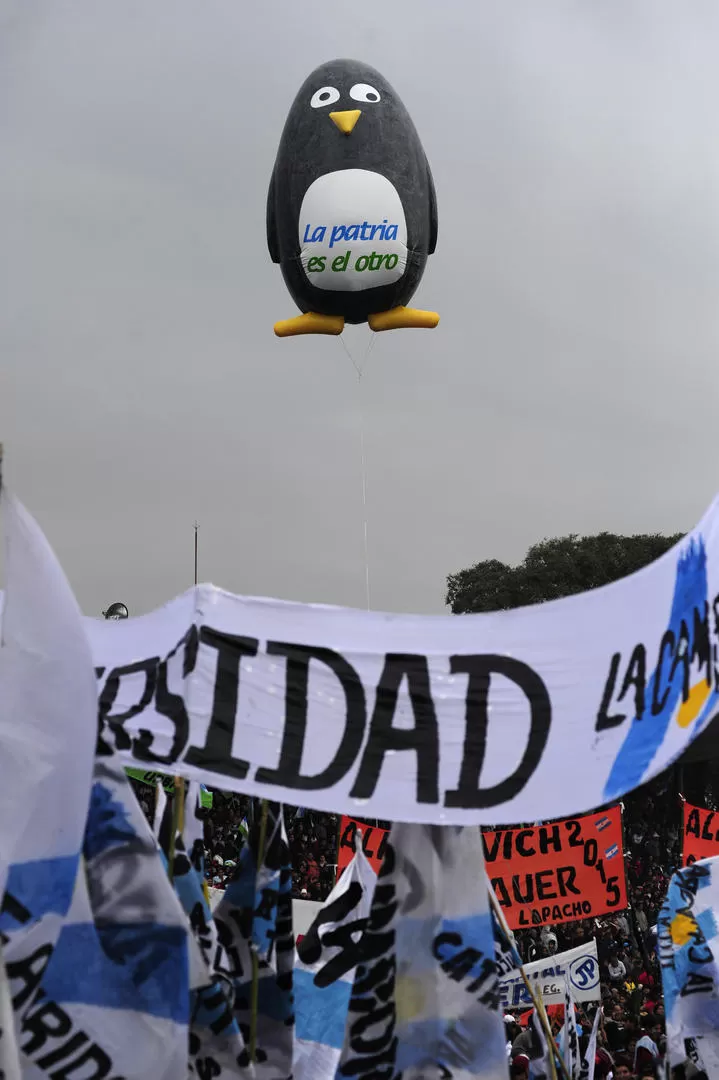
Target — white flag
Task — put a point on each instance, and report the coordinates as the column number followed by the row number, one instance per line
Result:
column 587, row 1070
column 217, row 1049
column 48, row 722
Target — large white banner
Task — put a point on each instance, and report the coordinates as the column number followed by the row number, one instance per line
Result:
column 578, row 967
column 523, row 715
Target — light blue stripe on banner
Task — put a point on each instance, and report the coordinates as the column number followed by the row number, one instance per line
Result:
column 108, row 823
column 139, row 967
column 320, row 1015
column 416, row 939
column 43, row 886
column 274, row 1001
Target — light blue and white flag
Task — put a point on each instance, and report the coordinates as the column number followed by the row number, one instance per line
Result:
column 688, row 949
column 217, row 1049
column 325, row 968
column 112, row 997
column 425, row 996
column 126, row 962
column 48, row 728
column 254, row 916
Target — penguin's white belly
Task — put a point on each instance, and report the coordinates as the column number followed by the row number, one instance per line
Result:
column 353, row 232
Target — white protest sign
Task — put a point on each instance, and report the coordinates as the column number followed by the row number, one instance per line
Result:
column 579, row 966
column 474, row 719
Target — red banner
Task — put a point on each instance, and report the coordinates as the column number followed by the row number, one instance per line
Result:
column 573, row 869
column 701, row 834
column 373, row 842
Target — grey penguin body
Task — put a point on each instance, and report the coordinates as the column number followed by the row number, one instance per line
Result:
column 384, row 142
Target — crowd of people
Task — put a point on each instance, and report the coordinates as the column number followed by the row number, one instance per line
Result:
column 632, row 1039
column 631, row 1036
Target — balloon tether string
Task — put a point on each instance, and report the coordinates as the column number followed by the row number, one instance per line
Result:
column 360, row 370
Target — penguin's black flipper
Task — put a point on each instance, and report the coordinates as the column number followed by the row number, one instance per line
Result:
column 433, row 222
column 272, row 241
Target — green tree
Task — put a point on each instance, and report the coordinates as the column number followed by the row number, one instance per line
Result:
column 552, row 569
column 572, row 564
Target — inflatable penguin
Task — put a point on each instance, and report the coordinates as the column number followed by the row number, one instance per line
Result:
column 351, row 209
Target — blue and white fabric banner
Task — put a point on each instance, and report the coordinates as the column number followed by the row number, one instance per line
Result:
column 48, row 728
column 254, row 916
column 688, row 949
column 425, row 995
column 126, row 961
column 216, row 1046
column 111, row 997
column 325, row 970
column 335, row 708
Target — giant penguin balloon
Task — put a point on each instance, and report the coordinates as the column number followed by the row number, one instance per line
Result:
column 351, row 209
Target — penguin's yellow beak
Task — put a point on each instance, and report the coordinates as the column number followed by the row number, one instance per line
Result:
column 346, row 120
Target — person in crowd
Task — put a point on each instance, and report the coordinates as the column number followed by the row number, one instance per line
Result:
column 623, row 1068
column 519, row 1069
column 523, row 1041
column 511, row 1031
column 616, row 971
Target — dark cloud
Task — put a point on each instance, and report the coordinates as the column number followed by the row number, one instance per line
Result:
column 571, row 385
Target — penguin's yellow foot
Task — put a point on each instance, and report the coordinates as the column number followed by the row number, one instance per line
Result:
column 310, row 323
column 401, row 318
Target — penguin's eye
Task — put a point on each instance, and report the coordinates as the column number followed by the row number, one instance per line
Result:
column 364, row 92
column 326, row 96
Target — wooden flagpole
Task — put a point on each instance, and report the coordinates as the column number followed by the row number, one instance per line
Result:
column 536, row 999
column 255, row 993
column 178, row 794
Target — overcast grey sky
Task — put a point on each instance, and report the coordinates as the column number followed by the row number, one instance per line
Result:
column 573, row 382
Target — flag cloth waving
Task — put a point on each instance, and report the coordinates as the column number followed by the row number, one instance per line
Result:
column 48, row 727
column 125, row 960
column 425, row 995
column 217, row 1048
column 325, row 969
column 588, row 1062
column 254, row 926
